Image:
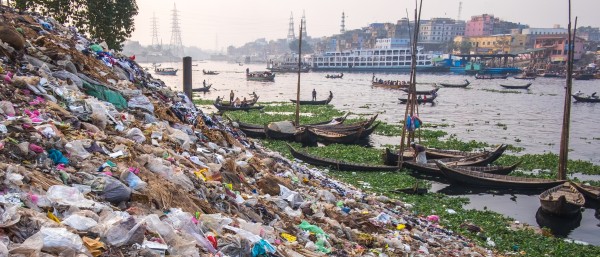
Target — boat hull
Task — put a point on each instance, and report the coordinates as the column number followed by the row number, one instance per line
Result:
column 562, row 200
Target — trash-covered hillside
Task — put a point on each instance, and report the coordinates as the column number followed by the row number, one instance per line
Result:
column 98, row 158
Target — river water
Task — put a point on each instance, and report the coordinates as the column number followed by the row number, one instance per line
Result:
column 531, row 119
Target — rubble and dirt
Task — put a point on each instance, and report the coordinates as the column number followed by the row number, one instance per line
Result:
column 98, row 158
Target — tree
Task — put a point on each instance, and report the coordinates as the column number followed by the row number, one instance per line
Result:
column 104, row 20
column 306, row 47
column 464, row 47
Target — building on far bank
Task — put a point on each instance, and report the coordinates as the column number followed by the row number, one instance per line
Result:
column 534, row 33
column 487, row 25
column 556, row 48
column 437, row 32
column 494, row 44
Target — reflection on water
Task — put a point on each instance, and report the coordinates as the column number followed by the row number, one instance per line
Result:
column 530, row 118
column 560, row 226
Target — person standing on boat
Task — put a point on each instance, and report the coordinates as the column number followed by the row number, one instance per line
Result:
column 204, row 83
column 314, row 94
column 419, row 155
column 231, row 95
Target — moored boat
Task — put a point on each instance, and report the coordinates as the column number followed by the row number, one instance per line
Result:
column 236, row 108
column 310, row 102
column 339, row 137
column 254, row 132
column 455, row 85
column 490, row 76
column 526, row 86
column 463, row 175
column 423, row 92
column 524, row 77
column 202, row 89
column 337, row 164
column 391, row 158
column 420, row 100
column 586, row 99
column 562, row 200
column 591, row 192
column 165, row 71
column 285, row 130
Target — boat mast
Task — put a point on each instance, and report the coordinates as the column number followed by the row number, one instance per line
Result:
column 412, row 96
column 299, row 68
column 564, row 140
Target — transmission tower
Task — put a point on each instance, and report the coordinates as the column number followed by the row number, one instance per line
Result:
column 291, row 35
column 459, row 11
column 303, row 23
column 176, row 44
column 343, row 27
column 154, row 31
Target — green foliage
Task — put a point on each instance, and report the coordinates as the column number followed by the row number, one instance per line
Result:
column 111, row 21
column 306, row 47
column 549, row 161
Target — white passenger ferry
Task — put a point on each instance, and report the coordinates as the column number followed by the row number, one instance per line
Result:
column 388, row 55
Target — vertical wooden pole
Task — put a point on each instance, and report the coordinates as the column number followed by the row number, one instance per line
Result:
column 187, row 77
column 299, row 71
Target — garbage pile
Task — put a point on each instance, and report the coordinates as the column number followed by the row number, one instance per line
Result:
column 98, row 158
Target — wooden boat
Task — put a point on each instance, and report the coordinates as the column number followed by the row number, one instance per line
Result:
column 423, row 92
column 336, row 76
column 367, row 132
column 254, row 132
column 165, row 71
column 342, row 137
column 233, row 108
column 431, row 169
column 463, row 175
column 390, row 86
column 419, row 100
column 210, row 72
column 260, row 76
column 391, row 158
column 202, row 89
column 337, row 164
column 584, row 76
column 490, row 76
column 300, row 135
column 526, row 86
column 251, row 102
column 410, row 190
column 591, row 192
column 334, row 121
column 524, row 77
column 322, row 102
column 586, row 99
column 455, row 85
column 347, row 127
column 562, row 200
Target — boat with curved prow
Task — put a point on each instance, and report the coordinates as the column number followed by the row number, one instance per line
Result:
column 490, row 76
column 480, row 179
column 339, row 137
column 165, row 71
column 591, row 192
column 202, row 89
column 423, row 92
column 337, row 164
column 419, row 100
column 562, row 200
column 335, row 76
column 455, row 85
column 254, row 132
column 526, row 86
column 234, row 108
column 586, row 99
column 266, row 76
column 391, row 158
column 311, row 102
column 210, row 72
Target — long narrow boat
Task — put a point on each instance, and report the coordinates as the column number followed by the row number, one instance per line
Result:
column 419, row 100
column 346, row 127
column 240, row 108
column 321, row 102
column 526, row 86
column 367, row 132
column 586, row 99
column 254, row 132
column 423, row 92
column 524, row 77
column 389, row 86
column 301, row 135
column 431, row 169
column 205, row 72
column 490, row 76
column 334, row 121
column 345, row 137
column 391, row 158
column 261, row 76
column 455, row 85
column 562, row 200
column 591, row 192
column 202, row 89
column 337, row 164
column 335, row 76
column 463, row 175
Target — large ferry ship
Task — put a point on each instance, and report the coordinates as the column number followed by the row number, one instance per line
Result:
column 388, row 55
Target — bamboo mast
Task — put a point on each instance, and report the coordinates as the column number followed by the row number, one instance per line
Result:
column 564, row 140
column 299, row 69
column 411, row 101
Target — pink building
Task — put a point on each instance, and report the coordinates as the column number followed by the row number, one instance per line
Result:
column 480, row 25
column 556, row 47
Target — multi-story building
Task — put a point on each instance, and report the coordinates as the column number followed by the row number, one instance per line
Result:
column 487, row 25
column 556, row 50
column 495, row 44
column 534, row 33
column 440, row 30
column 589, row 33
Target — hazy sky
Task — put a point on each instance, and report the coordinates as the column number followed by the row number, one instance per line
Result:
column 217, row 24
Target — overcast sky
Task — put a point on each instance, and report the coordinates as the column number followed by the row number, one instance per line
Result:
column 217, row 24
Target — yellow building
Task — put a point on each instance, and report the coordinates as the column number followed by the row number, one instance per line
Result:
column 495, row 44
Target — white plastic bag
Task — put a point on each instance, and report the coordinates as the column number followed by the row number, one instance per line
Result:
column 79, row 222
column 57, row 240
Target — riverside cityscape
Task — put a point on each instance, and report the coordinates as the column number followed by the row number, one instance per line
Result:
column 284, row 128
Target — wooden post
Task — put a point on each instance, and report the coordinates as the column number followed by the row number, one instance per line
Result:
column 187, row 76
column 299, row 69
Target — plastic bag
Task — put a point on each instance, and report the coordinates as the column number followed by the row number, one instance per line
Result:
column 134, row 181
column 69, row 196
column 9, row 215
column 215, row 221
column 141, row 102
column 311, row 228
column 136, row 135
column 57, row 240
column 77, row 148
column 261, row 248
column 126, row 232
column 79, row 222
column 115, row 191
column 181, row 179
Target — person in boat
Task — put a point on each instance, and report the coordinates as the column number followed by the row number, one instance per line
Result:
column 373, row 79
column 247, row 71
column 204, row 83
column 231, row 95
column 218, row 101
column 237, row 102
column 314, row 95
column 244, row 102
column 330, row 95
column 380, row 81
column 578, row 93
column 594, row 95
column 419, row 153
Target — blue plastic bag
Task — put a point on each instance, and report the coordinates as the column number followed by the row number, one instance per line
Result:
column 261, row 248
